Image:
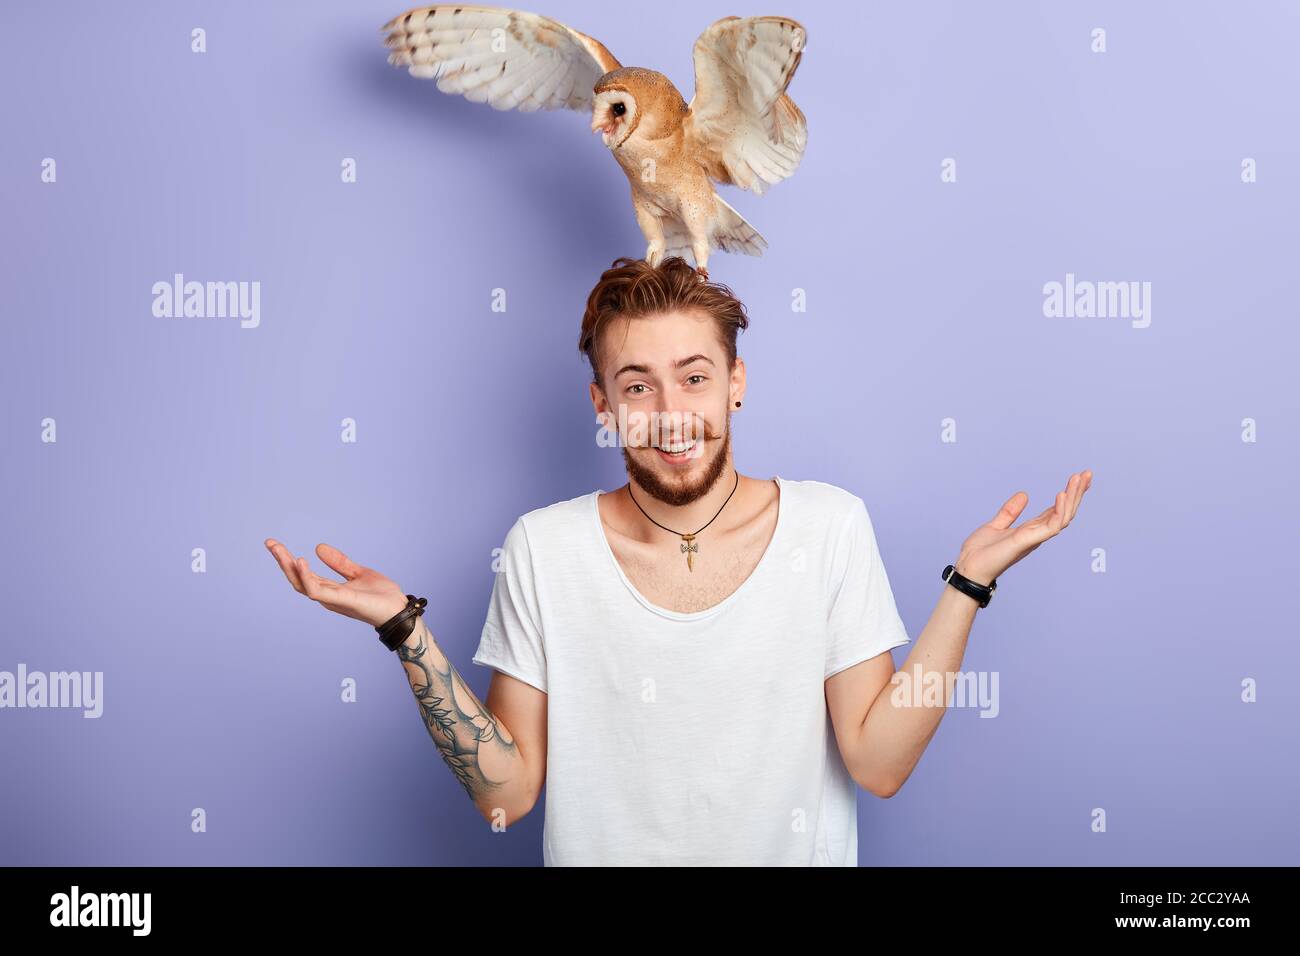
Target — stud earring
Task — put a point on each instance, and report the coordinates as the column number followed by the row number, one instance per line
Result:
column 737, row 404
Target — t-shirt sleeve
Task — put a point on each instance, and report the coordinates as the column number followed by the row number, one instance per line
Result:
column 511, row 641
column 863, row 619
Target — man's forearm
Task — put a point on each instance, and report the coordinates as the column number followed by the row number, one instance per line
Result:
column 476, row 746
column 893, row 734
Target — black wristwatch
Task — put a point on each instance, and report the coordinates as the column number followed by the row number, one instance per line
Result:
column 965, row 585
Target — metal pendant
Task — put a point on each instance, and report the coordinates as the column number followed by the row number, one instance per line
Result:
column 689, row 547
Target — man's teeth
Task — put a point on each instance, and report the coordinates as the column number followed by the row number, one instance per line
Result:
column 678, row 449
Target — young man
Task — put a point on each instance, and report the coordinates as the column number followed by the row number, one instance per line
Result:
column 696, row 664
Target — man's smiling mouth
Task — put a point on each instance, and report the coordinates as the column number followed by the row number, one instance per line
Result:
column 678, row 451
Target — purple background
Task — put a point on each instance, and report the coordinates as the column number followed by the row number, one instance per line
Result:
column 1118, row 690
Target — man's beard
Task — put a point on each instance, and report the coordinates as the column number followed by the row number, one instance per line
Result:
column 682, row 489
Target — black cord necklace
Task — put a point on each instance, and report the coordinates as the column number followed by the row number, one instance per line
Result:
column 688, row 540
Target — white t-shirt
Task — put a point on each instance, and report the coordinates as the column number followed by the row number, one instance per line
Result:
column 696, row 738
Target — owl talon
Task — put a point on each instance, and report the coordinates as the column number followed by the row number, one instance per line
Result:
column 704, row 273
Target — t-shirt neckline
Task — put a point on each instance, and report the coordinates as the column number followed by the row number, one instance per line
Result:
column 766, row 559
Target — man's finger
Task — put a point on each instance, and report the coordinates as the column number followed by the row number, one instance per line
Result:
column 1010, row 509
column 314, row 586
column 286, row 562
column 1085, row 480
column 1043, row 515
column 308, row 578
column 338, row 561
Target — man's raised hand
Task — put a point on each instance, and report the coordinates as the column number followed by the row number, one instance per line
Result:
column 995, row 546
column 364, row 594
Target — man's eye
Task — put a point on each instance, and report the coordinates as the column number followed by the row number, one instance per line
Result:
column 637, row 385
column 697, row 375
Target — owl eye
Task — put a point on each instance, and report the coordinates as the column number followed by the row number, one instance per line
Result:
column 618, row 109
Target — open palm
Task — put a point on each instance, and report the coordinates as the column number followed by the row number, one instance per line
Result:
column 995, row 546
column 364, row 594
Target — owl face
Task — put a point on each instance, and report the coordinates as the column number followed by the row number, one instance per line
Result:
column 614, row 115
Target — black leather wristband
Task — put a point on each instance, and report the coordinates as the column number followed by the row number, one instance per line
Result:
column 394, row 632
column 981, row 593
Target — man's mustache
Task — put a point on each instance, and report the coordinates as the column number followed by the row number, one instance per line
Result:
column 652, row 435
column 706, row 433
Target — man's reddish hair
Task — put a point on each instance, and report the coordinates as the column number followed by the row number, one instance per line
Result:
column 634, row 288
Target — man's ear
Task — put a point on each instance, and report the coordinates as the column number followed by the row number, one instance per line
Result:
column 737, row 390
column 598, row 401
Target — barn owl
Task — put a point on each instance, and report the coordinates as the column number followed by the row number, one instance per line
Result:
column 741, row 128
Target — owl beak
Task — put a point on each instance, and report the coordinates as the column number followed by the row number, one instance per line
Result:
column 605, row 129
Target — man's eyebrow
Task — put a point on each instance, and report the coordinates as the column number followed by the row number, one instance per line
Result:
column 644, row 370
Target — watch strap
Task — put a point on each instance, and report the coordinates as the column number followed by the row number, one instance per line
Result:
column 980, row 592
column 394, row 632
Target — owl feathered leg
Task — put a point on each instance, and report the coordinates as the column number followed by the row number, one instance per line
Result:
column 700, row 246
column 652, row 227
column 698, row 228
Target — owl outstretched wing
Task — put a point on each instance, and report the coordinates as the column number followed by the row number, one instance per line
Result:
column 741, row 123
column 506, row 58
